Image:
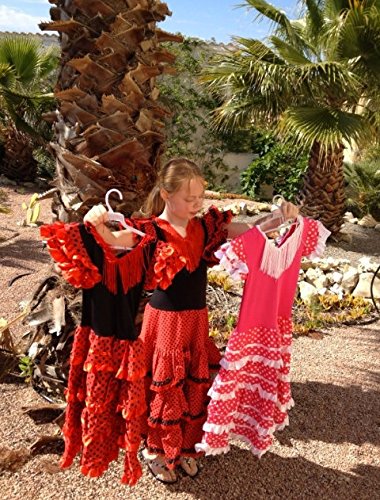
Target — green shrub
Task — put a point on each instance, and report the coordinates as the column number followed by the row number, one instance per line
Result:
column 278, row 165
column 363, row 188
column 45, row 163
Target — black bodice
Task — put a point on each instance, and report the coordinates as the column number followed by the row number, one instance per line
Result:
column 108, row 314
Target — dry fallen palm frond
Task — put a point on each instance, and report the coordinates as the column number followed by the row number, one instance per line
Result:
column 8, row 353
column 10, row 350
column 13, row 460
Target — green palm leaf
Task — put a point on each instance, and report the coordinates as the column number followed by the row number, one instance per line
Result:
column 328, row 127
column 24, row 66
column 22, row 55
column 288, row 52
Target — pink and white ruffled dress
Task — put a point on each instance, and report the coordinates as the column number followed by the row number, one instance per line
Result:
column 251, row 395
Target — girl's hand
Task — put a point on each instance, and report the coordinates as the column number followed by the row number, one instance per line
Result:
column 96, row 215
column 289, row 211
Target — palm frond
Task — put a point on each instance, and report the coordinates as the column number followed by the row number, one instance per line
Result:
column 288, row 52
column 267, row 10
column 21, row 53
column 314, row 19
column 48, row 61
column 7, row 75
column 328, row 127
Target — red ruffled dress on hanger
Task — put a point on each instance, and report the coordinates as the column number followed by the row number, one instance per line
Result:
column 105, row 393
column 180, row 356
column 251, row 395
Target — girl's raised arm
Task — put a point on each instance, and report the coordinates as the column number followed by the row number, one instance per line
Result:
column 288, row 211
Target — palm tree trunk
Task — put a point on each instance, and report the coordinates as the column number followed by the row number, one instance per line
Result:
column 323, row 194
column 109, row 125
column 18, row 162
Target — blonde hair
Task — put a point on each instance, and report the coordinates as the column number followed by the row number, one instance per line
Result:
column 170, row 177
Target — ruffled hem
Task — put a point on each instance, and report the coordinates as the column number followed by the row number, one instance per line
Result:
column 65, row 246
column 210, row 450
column 261, row 430
column 106, row 403
column 173, row 368
column 220, row 439
column 176, row 439
column 217, row 396
column 229, row 364
column 230, row 262
column 251, row 395
column 268, row 346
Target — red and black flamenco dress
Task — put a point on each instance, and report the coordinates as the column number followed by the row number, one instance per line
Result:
column 180, row 356
column 105, row 393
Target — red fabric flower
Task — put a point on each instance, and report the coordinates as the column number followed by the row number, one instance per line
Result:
column 166, row 265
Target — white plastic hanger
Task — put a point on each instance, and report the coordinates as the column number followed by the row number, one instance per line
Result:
column 118, row 217
column 276, row 204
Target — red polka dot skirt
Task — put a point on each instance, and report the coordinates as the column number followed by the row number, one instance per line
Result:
column 105, row 403
column 180, row 358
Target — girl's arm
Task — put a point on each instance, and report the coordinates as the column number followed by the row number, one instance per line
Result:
column 98, row 217
column 287, row 211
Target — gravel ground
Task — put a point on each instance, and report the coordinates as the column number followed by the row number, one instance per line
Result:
column 331, row 450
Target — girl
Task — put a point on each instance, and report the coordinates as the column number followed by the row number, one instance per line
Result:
column 180, row 357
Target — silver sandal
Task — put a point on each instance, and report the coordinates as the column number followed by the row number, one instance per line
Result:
column 189, row 465
column 157, row 466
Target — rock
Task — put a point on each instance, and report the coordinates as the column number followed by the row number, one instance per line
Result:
column 4, row 181
column 363, row 288
column 306, row 264
column 330, row 278
column 263, row 207
column 365, row 265
column 344, row 261
column 324, row 265
column 320, row 283
column 350, row 279
column 337, row 277
column 251, row 209
column 243, row 207
column 332, row 262
column 308, row 292
column 337, row 290
column 312, row 274
column 377, row 227
column 348, row 215
column 234, row 207
column 367, row 221
column 347, row 238
column 344, row 265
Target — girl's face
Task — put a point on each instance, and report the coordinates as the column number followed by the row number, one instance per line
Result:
column 188, row 200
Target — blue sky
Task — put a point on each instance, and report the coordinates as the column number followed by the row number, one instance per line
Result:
column 218, row 19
